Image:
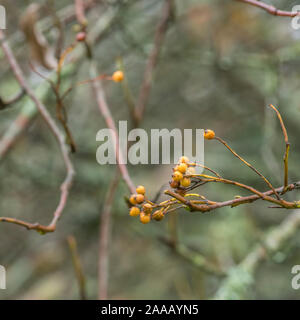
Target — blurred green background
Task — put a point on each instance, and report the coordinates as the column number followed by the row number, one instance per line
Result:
column 221, row 64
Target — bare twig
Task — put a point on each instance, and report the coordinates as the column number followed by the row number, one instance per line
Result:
column 287, row 147
column 270, row 9
column 11, row 101
column 56, row 132
column 152, row 61
column 105, row 111
column 104, row 236
column 77, row 266
column 249, row 165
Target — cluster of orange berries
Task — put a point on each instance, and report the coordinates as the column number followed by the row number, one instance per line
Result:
column 181, row 172
column 142, row 208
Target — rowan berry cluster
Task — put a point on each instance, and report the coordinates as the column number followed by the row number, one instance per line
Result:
column 143, row 208
column 181, row 174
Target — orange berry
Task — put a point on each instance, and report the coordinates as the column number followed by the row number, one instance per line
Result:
column 139, row 198
column 132, row 199
column 134, row 211
column 158, row 215
column 182, row 167
column 118, row 76
column 145, row 218
column 80, row 36
column 141, row 190
column 191, row 170
column 177, row 176
column 209, row 134
column 147, row 208
column 184, row 159
column 185, row 182
column 174, row 184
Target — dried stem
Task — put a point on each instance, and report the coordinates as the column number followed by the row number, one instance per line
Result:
column 77, row 266
column 56, row 132
column 249, row 165
column 105, row 111
column 11, row 101
column 152, row 61
column 287, row 147
column 270, row 9
column 104, row 232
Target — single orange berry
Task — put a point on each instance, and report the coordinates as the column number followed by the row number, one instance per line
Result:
column 118, row 76
column 141, row 190
column 158, row 215
column 134, row 211
column 177, row 176
column 184, row 159
column 80, row 36
column 139, row 198
column 182, row 167
column 185, row 182
column 132, row 200
column 174, row 184
column 209, row 134
column 191, row 170
column 145, row 218
column 147, row 208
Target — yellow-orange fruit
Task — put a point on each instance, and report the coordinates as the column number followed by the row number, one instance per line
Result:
column 209, row 134
column 182, row 167
column 174, row 184
column 184, row 159
column 132, row 199
column 141, row 190
column 139, row 198
column 134, row 211
column 185, row 182
column 118, row 76
column 147, row 208
column 177, row 176
column 145, row 218
column 191, row 170
column 158, row 215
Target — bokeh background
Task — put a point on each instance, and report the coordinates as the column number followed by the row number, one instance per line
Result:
column 221, row 64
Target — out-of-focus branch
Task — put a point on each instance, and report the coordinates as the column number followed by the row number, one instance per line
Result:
column 236, row 285
column 104, row 236
column 105, row 111
column 152, row 61
column 270, row 9
column 56, row 132
column 9, row 103
column 77, row 266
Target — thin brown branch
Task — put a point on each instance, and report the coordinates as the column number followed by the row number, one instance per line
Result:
column 56, row 132
column 287, row 148
column 9, row 103
column 210, row 205
column 270, row 9
column 104, row 237
column 77, row 266
column 80, row 15
column 152, row 61
column 105, row 111
column 249, row 165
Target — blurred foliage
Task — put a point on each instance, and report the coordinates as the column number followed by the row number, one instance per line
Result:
column 222, row 62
